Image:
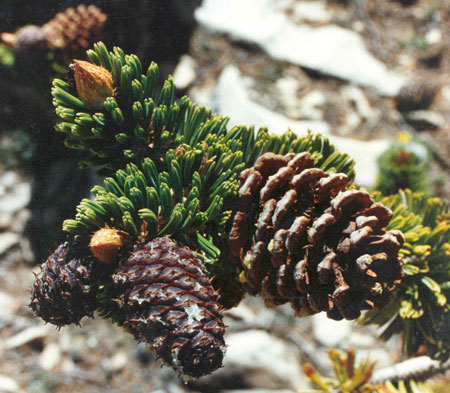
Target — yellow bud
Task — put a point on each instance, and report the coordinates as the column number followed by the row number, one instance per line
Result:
column 107, row 243
column 404, row 137
column 94, row 83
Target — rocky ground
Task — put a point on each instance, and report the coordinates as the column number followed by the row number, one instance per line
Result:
column 250, row 63
column 364, row 70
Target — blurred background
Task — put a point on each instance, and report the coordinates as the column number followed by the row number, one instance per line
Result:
column 374, row 76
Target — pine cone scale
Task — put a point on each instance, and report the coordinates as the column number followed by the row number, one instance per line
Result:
column 65, row 290
column 169, row 304
column 307, row 215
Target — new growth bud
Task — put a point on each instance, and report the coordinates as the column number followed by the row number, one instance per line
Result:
column 107, row 244
column 94, row 83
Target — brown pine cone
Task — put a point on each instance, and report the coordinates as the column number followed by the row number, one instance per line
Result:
column 169, row 303
column 417, row 95
column 65, row 289
column 75, row 29
column 299, row 237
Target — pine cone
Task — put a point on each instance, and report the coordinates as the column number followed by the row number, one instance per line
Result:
column 417, row 95
column 30, row 41
column 169, row 303
column 74, row 30
column 65, row 290
column 314, row 244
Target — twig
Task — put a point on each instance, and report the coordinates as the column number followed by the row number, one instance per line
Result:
column 419, row 369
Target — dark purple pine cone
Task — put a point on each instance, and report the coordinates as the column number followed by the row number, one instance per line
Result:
column 169, row 303
column 299, row 237
column 65, row 289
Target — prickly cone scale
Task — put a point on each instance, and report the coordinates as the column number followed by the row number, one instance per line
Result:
column 169, row 303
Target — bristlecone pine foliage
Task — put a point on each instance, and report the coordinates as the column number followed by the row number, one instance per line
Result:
column 65, row 290
column 68, row 33
column 420, row 308
column 168, row 301
column 178, row 189
column 315, row 244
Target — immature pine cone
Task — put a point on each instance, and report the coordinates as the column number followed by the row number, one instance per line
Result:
column 169, row 303
column 30, row 41
column 65, row 289
column 71, row 32
column 74, row 30
column 314, row 244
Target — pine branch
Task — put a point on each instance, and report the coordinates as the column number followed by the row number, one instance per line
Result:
column 275, row 215
column 417, row 369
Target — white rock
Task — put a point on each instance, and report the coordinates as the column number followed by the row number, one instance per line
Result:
column 425, row 120
column 50, row 357
column 358, row 26
column 351, row 121
column 20, row 220
column 365, row 154
column 328, row 332
column 92, row 342
column 68, row 366
column 314, row 11
column 445, row 92
column 185, row 72
column 360, row 101
column 5, row 220
column 16, row 199
column 8, row 385
column 310, row 105
column 257, row 359
column 331, row 50
column 203, row 95
column 8, row 240
column 231, row 99
column 288, row 88
column 433, row 36
column 170, row 388
column 359, row 340
column 27, row 335
column 119, row 361
column 251, row 313
column 8, row 304
column 257, row 349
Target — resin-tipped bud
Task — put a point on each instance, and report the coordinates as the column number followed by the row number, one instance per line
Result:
column 94, row 83
column 107, row 244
